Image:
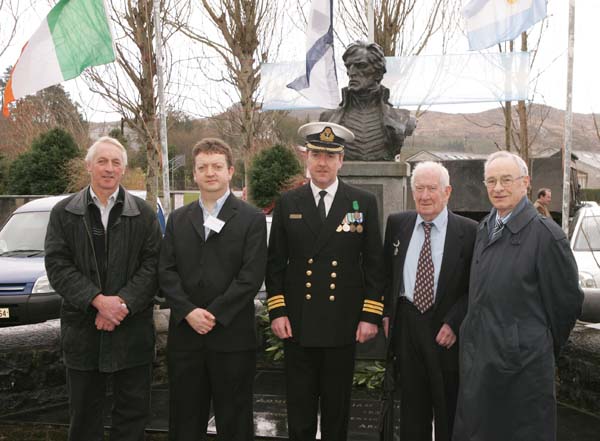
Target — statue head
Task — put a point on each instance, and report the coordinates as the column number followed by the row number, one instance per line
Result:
column 365, row 66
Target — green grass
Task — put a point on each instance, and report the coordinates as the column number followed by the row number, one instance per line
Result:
column 190, row 197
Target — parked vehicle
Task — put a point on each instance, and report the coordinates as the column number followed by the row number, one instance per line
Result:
column 584, row 235
column 26, row 295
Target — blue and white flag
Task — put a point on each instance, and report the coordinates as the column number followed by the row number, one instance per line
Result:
column 319, row 84
column 490, row 22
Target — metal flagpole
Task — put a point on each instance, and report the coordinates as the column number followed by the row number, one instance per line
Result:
column 371, row 21
column 568, row 134
column 162, row 110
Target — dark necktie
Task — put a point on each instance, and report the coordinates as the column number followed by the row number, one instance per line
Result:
column 423, row 295
column 321, row 206
column 497, row 231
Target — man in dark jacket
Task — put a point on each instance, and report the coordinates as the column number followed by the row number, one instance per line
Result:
column 324, row 284
column 524, row 299
column 427, row 259
column 101, row 256
column 212, row 264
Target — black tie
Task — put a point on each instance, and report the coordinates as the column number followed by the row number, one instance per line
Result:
column 321, row 206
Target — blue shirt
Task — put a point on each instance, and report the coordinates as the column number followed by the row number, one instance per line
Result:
column 438, row 239
column 216, row 210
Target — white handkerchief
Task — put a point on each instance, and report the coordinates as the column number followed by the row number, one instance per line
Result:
column 214, row 224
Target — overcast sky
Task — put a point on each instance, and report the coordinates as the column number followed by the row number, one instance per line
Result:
column 551, row 61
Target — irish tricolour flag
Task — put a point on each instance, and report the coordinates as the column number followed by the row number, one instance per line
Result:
column 75, row 35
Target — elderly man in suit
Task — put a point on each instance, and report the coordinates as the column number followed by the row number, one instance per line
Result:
column 427, row 259
column 524, row 299
column 324, row 285
column 212, row 264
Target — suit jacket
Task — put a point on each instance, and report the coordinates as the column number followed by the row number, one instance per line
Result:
column 221, row 273
column 323, row 278
column 451, row 298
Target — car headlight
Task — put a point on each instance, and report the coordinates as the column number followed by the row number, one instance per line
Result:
column 586, row 280
column 42, row 285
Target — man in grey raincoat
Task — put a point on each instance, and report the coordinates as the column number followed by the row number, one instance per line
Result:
column 524, row 299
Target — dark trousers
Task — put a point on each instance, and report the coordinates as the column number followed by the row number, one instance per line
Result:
column 131, row 406
column 196, row 378
column 314, row 374
column 427, row 390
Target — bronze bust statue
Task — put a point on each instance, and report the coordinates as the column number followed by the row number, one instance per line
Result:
column 379, row 128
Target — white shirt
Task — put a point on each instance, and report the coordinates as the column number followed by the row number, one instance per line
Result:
column 328, row 198
column 216, row 210
column 438, row 239
column 104, row 209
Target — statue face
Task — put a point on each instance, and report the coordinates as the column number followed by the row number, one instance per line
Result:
column 361, row 73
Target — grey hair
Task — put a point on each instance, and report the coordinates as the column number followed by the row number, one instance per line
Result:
column 504, row 154
column 433, row 166
column 91, row 153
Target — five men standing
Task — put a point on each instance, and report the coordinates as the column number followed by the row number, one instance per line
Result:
column 101, row 256
column 324, row 285
column 212, row 264
column 326, row 273
column 427, row 257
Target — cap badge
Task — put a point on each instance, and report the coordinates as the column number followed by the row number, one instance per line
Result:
column 327, row 135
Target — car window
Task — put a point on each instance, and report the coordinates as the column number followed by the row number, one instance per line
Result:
column 24, row 233
column 588, row 236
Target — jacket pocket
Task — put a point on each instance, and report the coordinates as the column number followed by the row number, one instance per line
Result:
column 511, row 355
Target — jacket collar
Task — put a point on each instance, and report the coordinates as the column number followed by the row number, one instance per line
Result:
column 79, row 202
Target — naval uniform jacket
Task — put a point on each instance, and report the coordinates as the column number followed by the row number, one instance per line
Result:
column 325, row 279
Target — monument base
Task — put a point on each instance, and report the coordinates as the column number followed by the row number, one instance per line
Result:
column 388, row 180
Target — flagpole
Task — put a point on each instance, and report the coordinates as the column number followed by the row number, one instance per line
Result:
column 371, row 21
column 162, row 111
column 568, row 133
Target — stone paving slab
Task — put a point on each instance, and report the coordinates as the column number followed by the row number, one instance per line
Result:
column 270, row 416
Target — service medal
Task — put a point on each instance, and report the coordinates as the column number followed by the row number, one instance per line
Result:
column 352, row 228
column 339, row 228
column 359, row 228
column 346, row 227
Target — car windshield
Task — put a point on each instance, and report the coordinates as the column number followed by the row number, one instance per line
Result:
column 588, row 236
column 24, row 234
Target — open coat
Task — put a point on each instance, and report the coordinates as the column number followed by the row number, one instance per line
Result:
column 524, row 298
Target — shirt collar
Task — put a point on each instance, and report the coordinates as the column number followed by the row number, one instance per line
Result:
column 440, row 222
column 518, row 208
column 331, row 190
column 111, row 198
column 219, row 204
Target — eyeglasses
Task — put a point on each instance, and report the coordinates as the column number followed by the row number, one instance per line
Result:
column 429, row 188
column 505, row 181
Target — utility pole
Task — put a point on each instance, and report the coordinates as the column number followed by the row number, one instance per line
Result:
column 162, row 109
column 371, row 21
column 568, row 135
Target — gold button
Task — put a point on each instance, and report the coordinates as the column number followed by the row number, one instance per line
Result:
column 333, row 275
column 310, row 261
column 309, row 273
column 332, row 286
column 308, row 284
column 331, row 298
column 308, row 296
column 334, row 263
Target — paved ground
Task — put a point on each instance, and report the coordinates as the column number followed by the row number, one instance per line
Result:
column 270, row 419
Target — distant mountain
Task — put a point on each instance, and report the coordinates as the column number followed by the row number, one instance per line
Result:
column 482, row 132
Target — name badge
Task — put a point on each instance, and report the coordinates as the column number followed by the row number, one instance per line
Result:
column 296, row 216
column 215, row 224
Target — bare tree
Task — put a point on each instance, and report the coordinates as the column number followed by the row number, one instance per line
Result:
column 402, row 27
column 129, row 84
column 241, row 34
column 10, row 12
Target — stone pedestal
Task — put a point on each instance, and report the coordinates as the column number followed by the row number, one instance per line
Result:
column 389, row 181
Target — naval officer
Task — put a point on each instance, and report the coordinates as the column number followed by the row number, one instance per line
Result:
column 324, row 284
